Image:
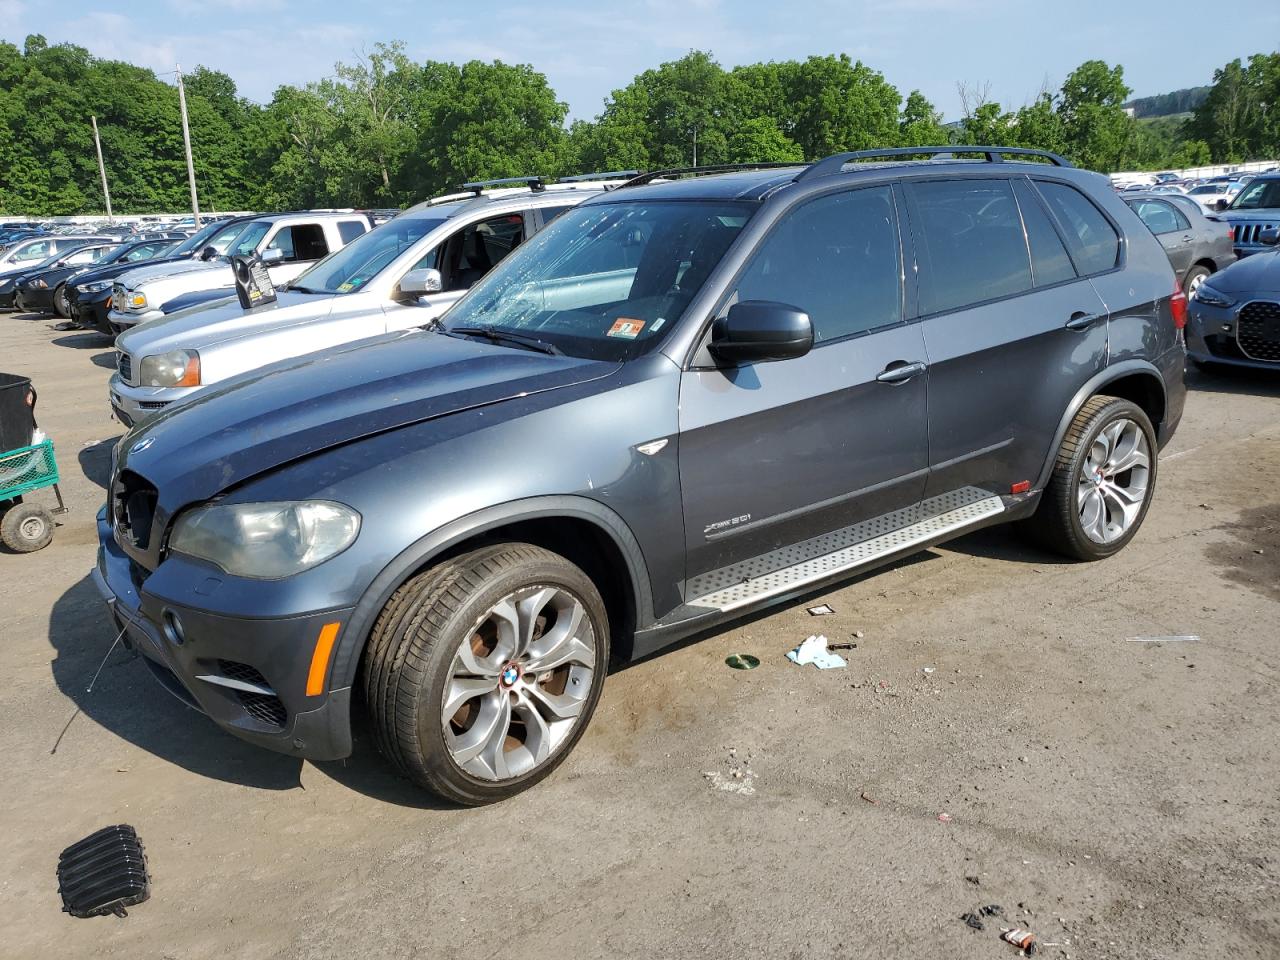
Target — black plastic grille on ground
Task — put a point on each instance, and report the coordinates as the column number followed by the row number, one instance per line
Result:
column 1258, row 330
column 265, row 708
column 103, row 873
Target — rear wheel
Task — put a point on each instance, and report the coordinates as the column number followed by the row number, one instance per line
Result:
column 1102, row 481
column 482, row 673
column 1195, row 276
column 26, row 528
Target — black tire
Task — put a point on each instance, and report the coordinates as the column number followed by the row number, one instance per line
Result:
column 1056, row 523
column 60, row 305
column 26, row 528
column 411, row 649
column 1195, row 276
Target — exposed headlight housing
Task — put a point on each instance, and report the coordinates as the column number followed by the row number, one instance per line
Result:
column 96, row 287
column 137, row 301
column 1214, row 298
column 266, row 541
column 38, row 284
column 177, row 368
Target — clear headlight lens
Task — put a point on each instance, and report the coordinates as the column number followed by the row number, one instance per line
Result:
column 137, row 301
column 38, row 284
column 96, row 287
column 5, row 282
column 1215, row 298
column 266, row 541
column 177, row 368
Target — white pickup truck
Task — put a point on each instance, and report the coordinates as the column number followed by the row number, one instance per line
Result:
column 288, row 243
column 401, row 275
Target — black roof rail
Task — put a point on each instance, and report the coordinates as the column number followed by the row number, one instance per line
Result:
column 609, row 175
column 536, row 184
column 836, row 162
column 697, row 171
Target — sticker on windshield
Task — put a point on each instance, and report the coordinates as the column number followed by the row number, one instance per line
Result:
column 344, row 287
column 626, row 328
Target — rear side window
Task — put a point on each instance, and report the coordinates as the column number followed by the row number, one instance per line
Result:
column 1050, row 262
column 971, row 243
column 1159, row 217
column 1094, row 243
column 550, row 213
column 837, row 258
column 348, row 230
column 305, row 241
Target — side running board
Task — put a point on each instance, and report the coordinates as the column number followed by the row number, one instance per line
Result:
column 847, row 549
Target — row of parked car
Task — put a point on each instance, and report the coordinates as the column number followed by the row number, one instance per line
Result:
column 470, row 456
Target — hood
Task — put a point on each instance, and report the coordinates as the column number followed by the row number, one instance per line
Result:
column 111, row 271
column 258, row 421
column 211, row 323
column 163, row 271
column 1259, row 273
column 56, row 275
column 1266, row 214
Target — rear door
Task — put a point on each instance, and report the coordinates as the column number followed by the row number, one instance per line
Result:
column 1172, row 229
column 775, row 455
column 1011, row 329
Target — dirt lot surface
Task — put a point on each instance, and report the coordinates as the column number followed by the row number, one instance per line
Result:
column 1121, row 799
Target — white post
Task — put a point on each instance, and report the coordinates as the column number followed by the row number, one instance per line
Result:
column 186, row 141
column 102, row 170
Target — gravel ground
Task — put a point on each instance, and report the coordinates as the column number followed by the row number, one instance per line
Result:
column 1119, row 799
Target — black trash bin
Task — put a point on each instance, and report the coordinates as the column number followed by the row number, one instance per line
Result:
column 17, row 411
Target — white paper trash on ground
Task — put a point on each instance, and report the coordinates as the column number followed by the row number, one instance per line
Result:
column 814, row 650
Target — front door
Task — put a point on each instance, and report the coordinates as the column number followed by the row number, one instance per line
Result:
column 773, row 455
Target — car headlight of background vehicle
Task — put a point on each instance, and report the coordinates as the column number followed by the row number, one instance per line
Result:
column 1214, row 298
column 137, row 301
column 266, row 541
column 96, row 287
column 177, row 368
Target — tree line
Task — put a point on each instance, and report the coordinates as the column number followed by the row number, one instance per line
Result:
column 385, row 130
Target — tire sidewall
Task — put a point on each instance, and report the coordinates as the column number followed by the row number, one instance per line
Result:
column 430, row 726
column 12, row 522
column 1191, row 274
column 1116, row 410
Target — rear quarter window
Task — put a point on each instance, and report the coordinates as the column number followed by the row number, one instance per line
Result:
column 1093, row 241
column 348, row 230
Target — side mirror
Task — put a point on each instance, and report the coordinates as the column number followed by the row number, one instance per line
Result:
column 1221, row 203
column 272, row 255
column 209, row 253
column 754, row 331
column 1269, row 235
column 415, row 283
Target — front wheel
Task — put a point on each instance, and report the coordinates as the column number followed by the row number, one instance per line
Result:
column 1195, row 276
column 1102, row 481
column 482, row 673
column 60, row 305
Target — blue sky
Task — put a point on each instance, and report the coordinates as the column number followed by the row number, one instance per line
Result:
column 588, row 48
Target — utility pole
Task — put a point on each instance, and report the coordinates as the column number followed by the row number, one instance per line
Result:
column 186, row 142
column 102, row 170
column 695, row 146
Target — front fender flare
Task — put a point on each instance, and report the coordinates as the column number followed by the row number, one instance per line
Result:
column 346, row 659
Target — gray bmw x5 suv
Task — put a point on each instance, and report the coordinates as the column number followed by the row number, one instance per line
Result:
column 684, row 400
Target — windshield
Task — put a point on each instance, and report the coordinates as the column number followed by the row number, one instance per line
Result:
column 605, row 281
column 246, row 241
column 1206, row 189
column 350, row 268
column 1259, row 195
column 199, row 240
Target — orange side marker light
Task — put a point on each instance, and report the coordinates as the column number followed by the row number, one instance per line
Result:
column 320, row 659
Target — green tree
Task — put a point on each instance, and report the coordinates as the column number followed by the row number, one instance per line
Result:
column 921, row 124
column 1095, row 126
column 758, row 140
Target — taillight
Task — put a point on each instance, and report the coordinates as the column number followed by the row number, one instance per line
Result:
column 1178, row 306
column 1231, row 233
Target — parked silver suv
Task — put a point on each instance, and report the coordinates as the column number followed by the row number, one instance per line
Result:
column 403, row 274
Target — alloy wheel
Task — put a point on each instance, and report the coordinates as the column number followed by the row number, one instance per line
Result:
column 1114, row 481
column 518, row 683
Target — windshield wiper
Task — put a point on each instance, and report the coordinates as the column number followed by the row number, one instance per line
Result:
column 294, row 286
column 505, row 336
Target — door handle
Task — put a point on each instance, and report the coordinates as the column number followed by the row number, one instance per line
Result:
column 1083, row 321
column 1188, row 238
column 901, row 371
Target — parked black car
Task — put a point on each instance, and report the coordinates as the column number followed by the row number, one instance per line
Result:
column 44, row 291
column 47, row 292
column 1196, row 246
column 682, row 401
column 89, row 298
column 61, row 249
